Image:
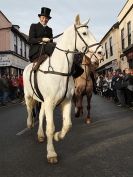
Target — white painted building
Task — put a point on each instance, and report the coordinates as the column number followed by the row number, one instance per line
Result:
column 14, row 48
column 125, row 19
column 111, row 49
column 118, row 42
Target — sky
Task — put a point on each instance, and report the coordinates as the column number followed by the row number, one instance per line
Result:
column 102, row 13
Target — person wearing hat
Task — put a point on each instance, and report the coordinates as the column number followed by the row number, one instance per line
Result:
column 41, row 44
column 40, row 39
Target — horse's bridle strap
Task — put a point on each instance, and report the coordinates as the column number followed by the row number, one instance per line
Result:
column 76, row 29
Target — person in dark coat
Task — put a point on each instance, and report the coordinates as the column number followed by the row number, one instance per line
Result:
column 120, row 88
column 40, row 38
column 41, row 43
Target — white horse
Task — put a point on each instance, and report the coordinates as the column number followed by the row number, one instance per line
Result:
column 53, row 86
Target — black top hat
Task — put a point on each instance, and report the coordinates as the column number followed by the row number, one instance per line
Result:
column 45, row 12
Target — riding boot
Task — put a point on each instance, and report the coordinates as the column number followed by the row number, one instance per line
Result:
column 77, row 71
column 39, row 60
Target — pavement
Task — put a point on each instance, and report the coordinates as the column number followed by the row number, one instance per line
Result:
column 102, row 149
column 10, row 103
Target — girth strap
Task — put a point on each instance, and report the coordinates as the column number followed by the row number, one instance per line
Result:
column 36, row 87
column 36, row 90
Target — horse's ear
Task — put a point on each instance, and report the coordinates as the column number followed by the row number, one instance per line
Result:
column 77, row 20
column 86, row 23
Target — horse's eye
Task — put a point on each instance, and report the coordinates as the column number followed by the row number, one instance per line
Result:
column 99, row 52
column 84, row 33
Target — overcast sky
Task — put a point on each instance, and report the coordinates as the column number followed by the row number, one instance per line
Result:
column 102, row 13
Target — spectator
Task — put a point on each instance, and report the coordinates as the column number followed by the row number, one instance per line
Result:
column 20, row 86
column 120, row 88
column 129, row 89
column 14, row 87
column 1, row 92
column 5, row 89
column 113, row 86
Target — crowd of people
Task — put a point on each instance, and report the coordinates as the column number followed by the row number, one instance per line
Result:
column 11, row 88
column 114, row 85
column 117, row 86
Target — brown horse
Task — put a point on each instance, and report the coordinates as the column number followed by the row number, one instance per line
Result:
column 84, row 85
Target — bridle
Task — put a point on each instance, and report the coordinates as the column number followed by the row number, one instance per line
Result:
column 75, row 51
column 87, row 65
column 76, row 34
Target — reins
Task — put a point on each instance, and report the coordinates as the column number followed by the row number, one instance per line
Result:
column 76, row 51
column 56, row 36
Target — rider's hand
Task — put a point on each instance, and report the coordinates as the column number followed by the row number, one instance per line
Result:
column 45, row 39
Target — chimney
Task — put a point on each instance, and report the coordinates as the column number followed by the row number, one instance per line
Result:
column 16, row 27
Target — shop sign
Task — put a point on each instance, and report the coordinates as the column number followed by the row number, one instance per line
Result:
column 4, row 61
column 18, row 63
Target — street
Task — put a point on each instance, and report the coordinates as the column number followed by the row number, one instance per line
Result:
column 102, row 149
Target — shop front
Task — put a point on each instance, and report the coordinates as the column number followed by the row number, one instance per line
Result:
column 11, row 64
column 110, row 66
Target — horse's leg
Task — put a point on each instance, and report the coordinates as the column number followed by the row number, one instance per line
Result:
column 30, row 102
column 88, row 119
column 78, row 105
column 50, row 128
column 67, row 124
column 40, row 132
column 75, row 105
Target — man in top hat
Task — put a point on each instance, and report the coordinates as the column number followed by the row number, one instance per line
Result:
column 40, row 38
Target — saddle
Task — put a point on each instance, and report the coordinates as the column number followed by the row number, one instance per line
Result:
column 38, row 61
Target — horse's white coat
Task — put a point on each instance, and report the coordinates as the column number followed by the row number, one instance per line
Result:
column 53, row 88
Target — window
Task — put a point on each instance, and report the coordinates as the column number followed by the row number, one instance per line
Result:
column 122, row 39
column 15, row 43
column 111, row 46
column 21, row 52
column 129, row 33
column 25, row 53
column 106, row 51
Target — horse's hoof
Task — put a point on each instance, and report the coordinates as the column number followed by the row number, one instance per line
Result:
column 53, row 160
column 88, row 121
column 41, row 139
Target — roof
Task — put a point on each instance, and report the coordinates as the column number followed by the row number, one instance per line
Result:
column 24, row 36
column 116, row 25
column 123, row 7
column 14, row 29
column 5, row 17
